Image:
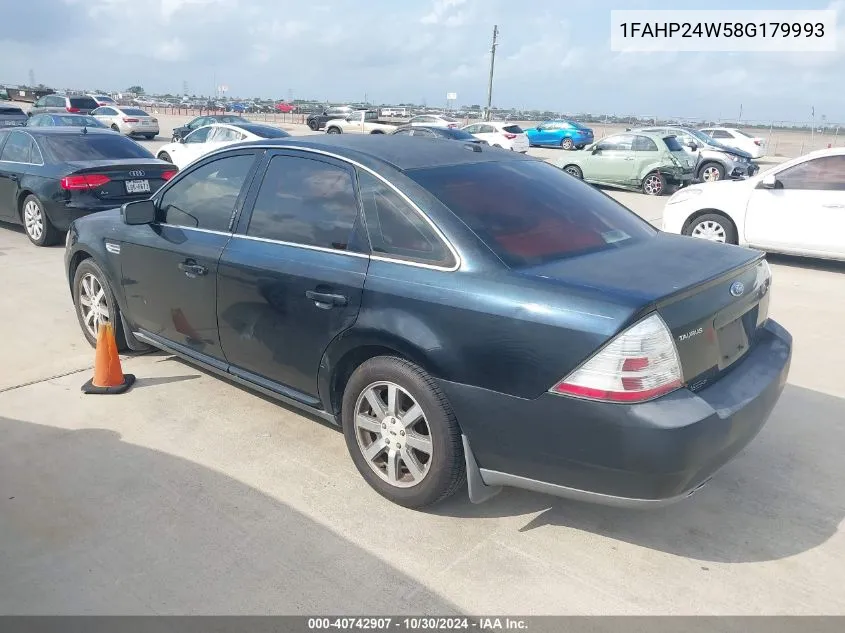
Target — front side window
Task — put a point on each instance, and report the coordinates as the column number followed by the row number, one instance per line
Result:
column 199, row 136
column 820, row 174
column 205, row 198
column 305, row 201
column 396, row 229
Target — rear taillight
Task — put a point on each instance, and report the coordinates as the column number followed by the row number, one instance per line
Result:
column 510, row 136
column 72, row 109
column 125, row 120
column 639, row 364
column 167, row 175
column 85, row 181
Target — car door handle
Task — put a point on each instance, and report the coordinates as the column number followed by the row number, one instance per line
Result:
column 325, row 299
column 629, row 158
column 192, row 269
column 833, row 206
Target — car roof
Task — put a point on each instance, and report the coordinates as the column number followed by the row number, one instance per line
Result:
column 63, row 130
column 402, row 152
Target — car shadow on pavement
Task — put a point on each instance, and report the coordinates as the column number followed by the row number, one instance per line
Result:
column 795, row 261
column 783, row 495
column 91, row 524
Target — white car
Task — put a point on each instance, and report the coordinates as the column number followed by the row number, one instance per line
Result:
column 127, row 120
column 797, row 207
column 500, row 134
column 732, row 137
column 211, row 137
column 434, row 120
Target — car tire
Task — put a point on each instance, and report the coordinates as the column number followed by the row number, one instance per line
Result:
column 115, row 128
column 715, row 227
column 333, row 130
column 575, row 171
column 108, row 310
column 566, row 143
column 654, row 184
column 149, row 137
column 580, row 147
column 36, row 224
column 313, row 125
column 711, row 172
column 425, row 472
column 165, row 156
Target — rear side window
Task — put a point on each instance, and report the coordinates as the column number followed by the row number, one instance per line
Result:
column 94, row 146
column 135, row 112
column 86, row 103
column 205, row 198
column 513, row 129
column 644, row 144
column 397, row 230
column 529, row 212
column 18, row 148
column 305, row 201
column 673, row 144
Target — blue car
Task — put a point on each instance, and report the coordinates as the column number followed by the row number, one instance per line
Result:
column 560, row 133
column 470, row 318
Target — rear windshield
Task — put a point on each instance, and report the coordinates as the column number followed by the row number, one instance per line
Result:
column 73, row 147
column 459, row 135
column 10, row 110
column 741, row 133
column 673, row 144
column 512, row 129
column 134, row 112
column 530, row 212
column 86, row 103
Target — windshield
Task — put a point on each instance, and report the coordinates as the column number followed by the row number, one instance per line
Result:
column 449, row 119
column 76, row 121
column 530, row 212
column 265, row 131
column 83, row 102
column 701, row 136
column 95, row 146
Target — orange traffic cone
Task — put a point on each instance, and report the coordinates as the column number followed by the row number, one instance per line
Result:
column 108, row 376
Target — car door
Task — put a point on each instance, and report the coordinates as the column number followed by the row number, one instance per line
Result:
column 614, row 160
column 10, row 172
column 291, row 279
column 804, row 213
column 647, row 157
column 192, row 147
column 169, row 268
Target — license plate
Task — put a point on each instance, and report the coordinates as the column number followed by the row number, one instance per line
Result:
column 10, row 123
column 733, row 343
column 137, row 186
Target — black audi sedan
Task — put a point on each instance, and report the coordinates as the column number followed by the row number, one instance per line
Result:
column 462, row 313
column 49, row 176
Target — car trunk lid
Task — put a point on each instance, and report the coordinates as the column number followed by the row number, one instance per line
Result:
column 128, row 178
column 713, row 298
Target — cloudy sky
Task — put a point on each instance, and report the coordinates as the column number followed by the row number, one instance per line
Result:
column 553, row 54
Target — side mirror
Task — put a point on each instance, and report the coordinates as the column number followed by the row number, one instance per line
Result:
column 182, row 139
column 138, row 212
column 538, row 128
column 594, row 149
column 769, row 182
column 693, row 146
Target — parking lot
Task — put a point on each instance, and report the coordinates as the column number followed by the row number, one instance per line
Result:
column 189, row 494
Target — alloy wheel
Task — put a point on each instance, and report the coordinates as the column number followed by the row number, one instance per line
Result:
column 567, row 143
column 652, row 185
column 92, row 303
column 33, row 219
column 393, row 434
column 710, row 230
column 710, row 174
column 573, row 171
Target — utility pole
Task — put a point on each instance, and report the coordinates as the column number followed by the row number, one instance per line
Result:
column 492, row 63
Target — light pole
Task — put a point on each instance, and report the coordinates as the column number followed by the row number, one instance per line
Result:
column 492, row 63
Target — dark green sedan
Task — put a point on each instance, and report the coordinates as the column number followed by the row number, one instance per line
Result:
column 644, row 161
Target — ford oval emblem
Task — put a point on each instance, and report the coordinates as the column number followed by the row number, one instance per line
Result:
column 136, row 174
column 737, row 288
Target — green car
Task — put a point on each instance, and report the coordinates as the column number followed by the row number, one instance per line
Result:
column 643, row 160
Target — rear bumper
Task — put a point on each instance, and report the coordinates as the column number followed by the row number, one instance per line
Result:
column 647, row 454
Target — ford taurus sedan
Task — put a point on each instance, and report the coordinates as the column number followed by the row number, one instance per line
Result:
column 462, row 313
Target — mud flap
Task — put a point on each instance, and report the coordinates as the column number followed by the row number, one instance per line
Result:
column 479, row 492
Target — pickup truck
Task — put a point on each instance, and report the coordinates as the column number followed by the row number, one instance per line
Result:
column 359, row 122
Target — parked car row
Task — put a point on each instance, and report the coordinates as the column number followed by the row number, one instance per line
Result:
column 331, row 272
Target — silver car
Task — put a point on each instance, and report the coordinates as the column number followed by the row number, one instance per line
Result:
column 128, row 120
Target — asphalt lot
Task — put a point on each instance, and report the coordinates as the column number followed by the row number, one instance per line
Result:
column 192, row 495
